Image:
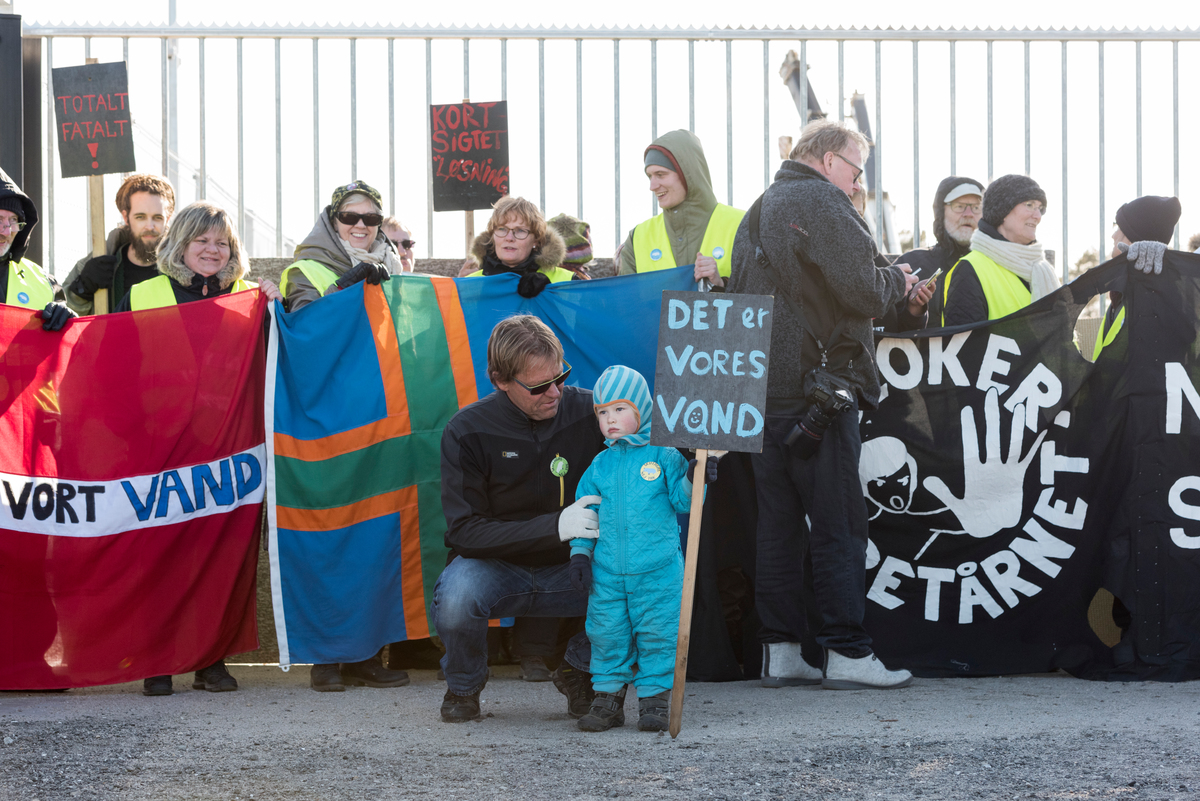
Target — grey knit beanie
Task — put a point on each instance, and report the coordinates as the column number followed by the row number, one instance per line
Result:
column 1007, row 192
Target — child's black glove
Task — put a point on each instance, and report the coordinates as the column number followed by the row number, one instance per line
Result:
column 710, row 470
column 580, row 572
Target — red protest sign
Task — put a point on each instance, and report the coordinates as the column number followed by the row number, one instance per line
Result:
column 469, row 148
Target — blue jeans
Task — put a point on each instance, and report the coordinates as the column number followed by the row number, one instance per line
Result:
column 471, row 591
column 811, row 580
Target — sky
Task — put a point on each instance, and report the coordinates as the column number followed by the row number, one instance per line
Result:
column 902, row 118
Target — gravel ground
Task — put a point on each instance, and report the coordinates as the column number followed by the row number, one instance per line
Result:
column 1020, row 737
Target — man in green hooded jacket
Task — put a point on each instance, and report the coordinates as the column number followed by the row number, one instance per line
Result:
column 693, row 227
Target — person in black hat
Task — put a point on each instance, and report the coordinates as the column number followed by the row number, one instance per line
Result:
column 1143, row 230
column 957, row 205
column 1006, row 269
column 22, row 281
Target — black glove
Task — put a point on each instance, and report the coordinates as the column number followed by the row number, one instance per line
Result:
column 96, row 274
column 710, row 470
column 531, row 285
column 371, row 273
column 580, row 572
column 55, row 316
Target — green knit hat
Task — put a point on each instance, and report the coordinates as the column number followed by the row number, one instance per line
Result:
column 343, row 192
column 578, row 236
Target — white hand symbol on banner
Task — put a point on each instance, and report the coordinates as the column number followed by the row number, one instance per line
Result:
column 992, row 487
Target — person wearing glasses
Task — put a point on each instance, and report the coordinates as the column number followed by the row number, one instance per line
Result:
column 511, row 463
column 344, row 247
column 956, row 208
column 402, row 239
column 1006, row 269
column 518, row 241
column 821, row 263
column 22, row 281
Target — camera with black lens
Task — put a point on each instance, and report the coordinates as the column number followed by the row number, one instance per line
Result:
column 828, row 396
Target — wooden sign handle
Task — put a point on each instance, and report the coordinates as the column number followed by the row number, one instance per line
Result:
column 689, row 587
column 96, row 216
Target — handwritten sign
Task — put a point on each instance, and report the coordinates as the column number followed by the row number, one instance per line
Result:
column 710, row 379
column 469, row 147
column 95, row 131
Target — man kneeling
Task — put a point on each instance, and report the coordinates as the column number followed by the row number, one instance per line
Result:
column 509, row 463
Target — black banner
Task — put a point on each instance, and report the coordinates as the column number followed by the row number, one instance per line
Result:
column 91, row 107
column 469, row 148
column 1008, row 479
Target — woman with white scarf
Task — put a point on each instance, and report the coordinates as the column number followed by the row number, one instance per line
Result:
column 1006, row 269
column 344, row 247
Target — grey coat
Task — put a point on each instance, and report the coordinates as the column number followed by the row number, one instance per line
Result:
column 822, row 250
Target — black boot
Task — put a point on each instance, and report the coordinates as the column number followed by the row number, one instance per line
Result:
column 577, row 686
column 607, row 712
column 215, row 678
column 372, row 673
column 654, row 712
column 157, row 685
column 326, row 679
column 459, row 708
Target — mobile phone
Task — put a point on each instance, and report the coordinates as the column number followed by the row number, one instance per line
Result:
column 928, row 280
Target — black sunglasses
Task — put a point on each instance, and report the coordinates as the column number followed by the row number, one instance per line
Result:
column 351, row 218
column 540, row 389
column 407, row 244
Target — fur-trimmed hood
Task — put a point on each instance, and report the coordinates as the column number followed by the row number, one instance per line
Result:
column 547, row 257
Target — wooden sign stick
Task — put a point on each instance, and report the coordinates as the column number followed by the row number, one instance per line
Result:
column 689, row 587
column 96, row 216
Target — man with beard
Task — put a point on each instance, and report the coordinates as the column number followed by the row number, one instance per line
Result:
column 146, row 203
column 957, row 205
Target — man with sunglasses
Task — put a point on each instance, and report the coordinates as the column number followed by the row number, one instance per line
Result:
column 815, row 254
column 345, row 246
column 510, row 465
column 402, row 239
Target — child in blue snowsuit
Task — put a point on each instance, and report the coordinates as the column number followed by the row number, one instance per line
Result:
column 634, row 570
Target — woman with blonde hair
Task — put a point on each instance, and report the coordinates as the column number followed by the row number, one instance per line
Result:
column 200, row 257
column 518, row 241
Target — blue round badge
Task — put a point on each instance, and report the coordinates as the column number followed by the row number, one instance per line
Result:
column 22, row 297
column 655, row 254
column 718, row 253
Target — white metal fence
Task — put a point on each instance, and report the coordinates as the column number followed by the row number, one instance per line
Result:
column 270, row 119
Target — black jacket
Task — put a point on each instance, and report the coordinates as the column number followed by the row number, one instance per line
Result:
column 500, row 499
column 966, row 302
column 824, row 254
column 9, row 189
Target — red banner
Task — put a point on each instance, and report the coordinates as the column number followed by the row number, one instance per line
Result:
column 132, row 472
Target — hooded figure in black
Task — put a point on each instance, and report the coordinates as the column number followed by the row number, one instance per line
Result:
column 23, row 282
column 951, row 245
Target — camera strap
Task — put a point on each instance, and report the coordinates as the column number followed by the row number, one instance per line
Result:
column 760, row 256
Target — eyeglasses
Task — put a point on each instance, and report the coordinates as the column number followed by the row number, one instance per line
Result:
column 407, row 244
column 858, row 171
column 959, row 208
column 518, row 233
column 351, row 218
column 15, row 225
column 540, row 389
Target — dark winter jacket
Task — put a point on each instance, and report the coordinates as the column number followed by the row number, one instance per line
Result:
column 967, row 302
column 81, row 296
column 824, row 253
column 500, row 499
column 9, row 189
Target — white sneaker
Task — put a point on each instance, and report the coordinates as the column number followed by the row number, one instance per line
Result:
column 783, row 666
column 864, row 673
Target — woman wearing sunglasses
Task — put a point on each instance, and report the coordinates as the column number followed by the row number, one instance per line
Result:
column 344, row 247
column 518, row 241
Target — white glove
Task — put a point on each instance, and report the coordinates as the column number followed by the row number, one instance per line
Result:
column 579, row 521
column 1147, row 256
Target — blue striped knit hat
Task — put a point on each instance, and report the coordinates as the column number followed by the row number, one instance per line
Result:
column 624, row 384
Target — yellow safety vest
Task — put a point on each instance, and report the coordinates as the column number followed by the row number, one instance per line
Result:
column 317, row 274
column 1004, row 291
column 555, row 274
column 652, row 246
column 157, row 293
column 1105, row 338
column 27, row 285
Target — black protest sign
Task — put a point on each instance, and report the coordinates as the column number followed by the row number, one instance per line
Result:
column 710, row 377
column 469, row 148
column 1007, row 479
column 95, row 132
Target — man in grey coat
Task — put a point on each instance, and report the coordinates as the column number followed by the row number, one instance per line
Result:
column 822, row 255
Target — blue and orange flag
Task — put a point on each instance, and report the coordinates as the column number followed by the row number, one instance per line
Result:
column 359, row 388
